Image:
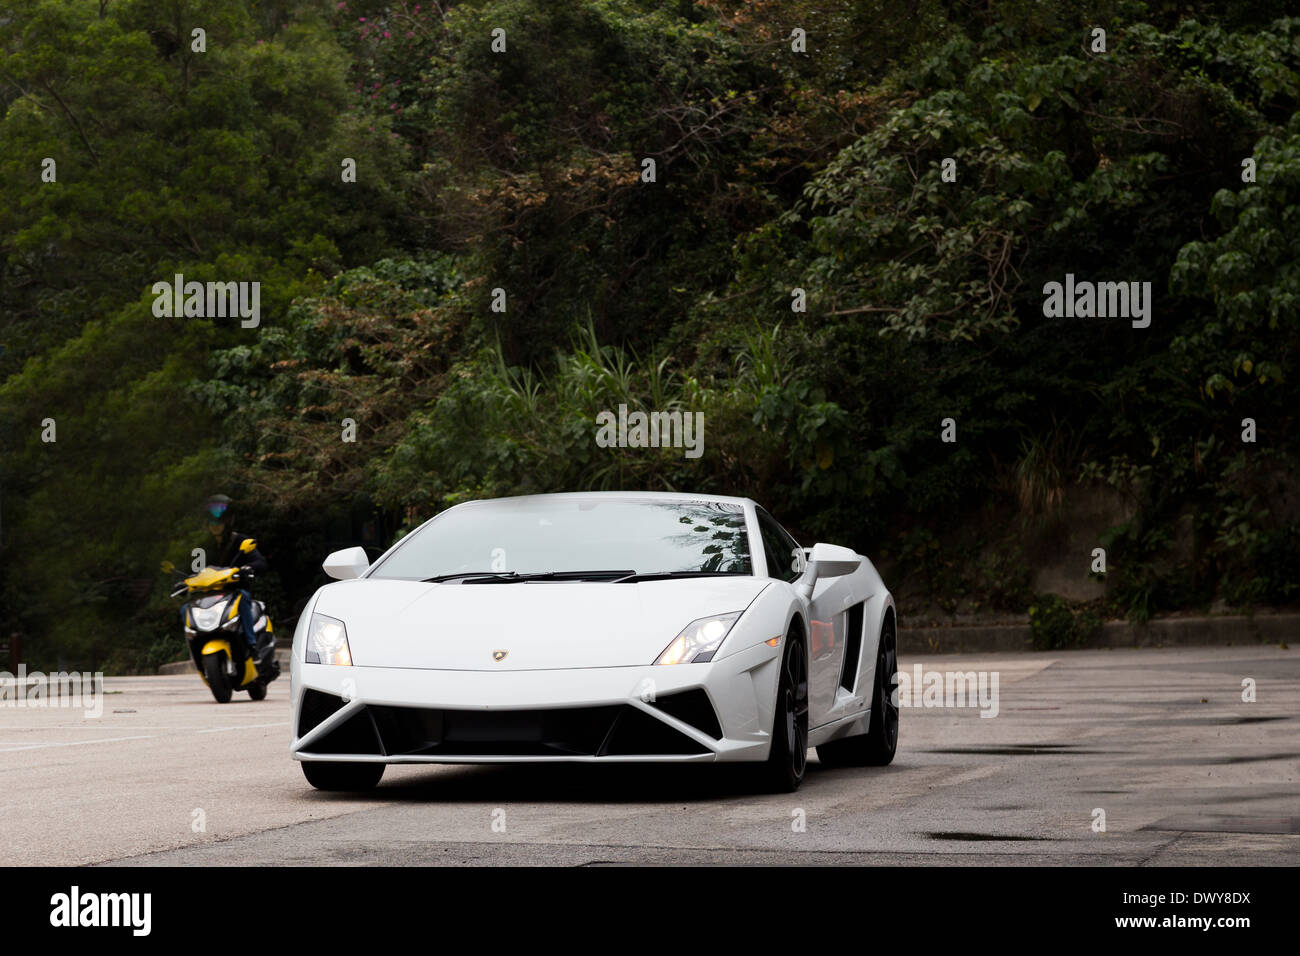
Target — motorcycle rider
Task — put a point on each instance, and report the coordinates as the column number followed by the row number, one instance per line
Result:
column 233, row 549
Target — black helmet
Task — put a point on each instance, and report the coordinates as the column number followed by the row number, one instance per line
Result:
column 217, row 509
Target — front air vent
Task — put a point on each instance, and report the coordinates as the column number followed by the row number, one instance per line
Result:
column 356, row 735
column 692, row 707
column 316, row 706
column 635, row 732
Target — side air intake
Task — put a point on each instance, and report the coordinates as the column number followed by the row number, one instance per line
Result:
column 852, row 648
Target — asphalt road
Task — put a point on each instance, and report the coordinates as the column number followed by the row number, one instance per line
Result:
column 1160, row 740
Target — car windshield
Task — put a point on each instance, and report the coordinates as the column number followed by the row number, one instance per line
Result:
column 538, row 535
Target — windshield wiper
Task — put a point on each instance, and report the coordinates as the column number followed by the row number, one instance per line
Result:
column 514, row 577
column 438, row 579
column 633, row 577
column 510, row 577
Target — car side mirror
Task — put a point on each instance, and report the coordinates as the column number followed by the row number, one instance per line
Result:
column 346, row 564
column 827, row 561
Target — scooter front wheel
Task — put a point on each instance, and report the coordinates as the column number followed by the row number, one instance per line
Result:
column 214, row 669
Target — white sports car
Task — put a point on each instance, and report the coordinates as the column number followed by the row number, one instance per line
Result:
column 597, row 627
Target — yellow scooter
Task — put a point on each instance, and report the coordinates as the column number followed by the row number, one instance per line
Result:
column 216, row 638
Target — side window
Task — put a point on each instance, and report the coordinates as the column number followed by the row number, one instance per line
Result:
column 784, row 559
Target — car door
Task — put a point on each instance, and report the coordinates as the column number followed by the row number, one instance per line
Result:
column 826, row 620
column 837, row 606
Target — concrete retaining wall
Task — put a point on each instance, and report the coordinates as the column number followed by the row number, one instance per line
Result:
column 1218, row 631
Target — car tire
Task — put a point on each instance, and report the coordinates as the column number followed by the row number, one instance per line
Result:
column 337, row 776
column 877, row 746
column 214, row 669
column 787, row 760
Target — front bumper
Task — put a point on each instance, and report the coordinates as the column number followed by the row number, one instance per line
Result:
column 721, row 711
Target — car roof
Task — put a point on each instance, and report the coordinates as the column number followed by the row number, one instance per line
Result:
column 614, row 496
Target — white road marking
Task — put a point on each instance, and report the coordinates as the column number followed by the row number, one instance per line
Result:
column 9, row 746
column 77, row 743
column 218, row 730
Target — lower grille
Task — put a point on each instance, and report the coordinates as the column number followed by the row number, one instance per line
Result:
column 506, row 733
column 617, row 730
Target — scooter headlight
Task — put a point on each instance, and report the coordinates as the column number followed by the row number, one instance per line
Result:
column 207, row 618
column 327, row 641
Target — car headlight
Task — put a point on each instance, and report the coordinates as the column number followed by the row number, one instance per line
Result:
column 327, row 641
column 207, row 618
column 699, row 640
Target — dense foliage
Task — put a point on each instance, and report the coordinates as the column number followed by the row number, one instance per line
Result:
column 820, row 170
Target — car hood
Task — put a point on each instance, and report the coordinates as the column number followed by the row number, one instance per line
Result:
column 540, row 625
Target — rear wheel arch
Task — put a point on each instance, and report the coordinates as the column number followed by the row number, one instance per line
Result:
column 870, row 651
